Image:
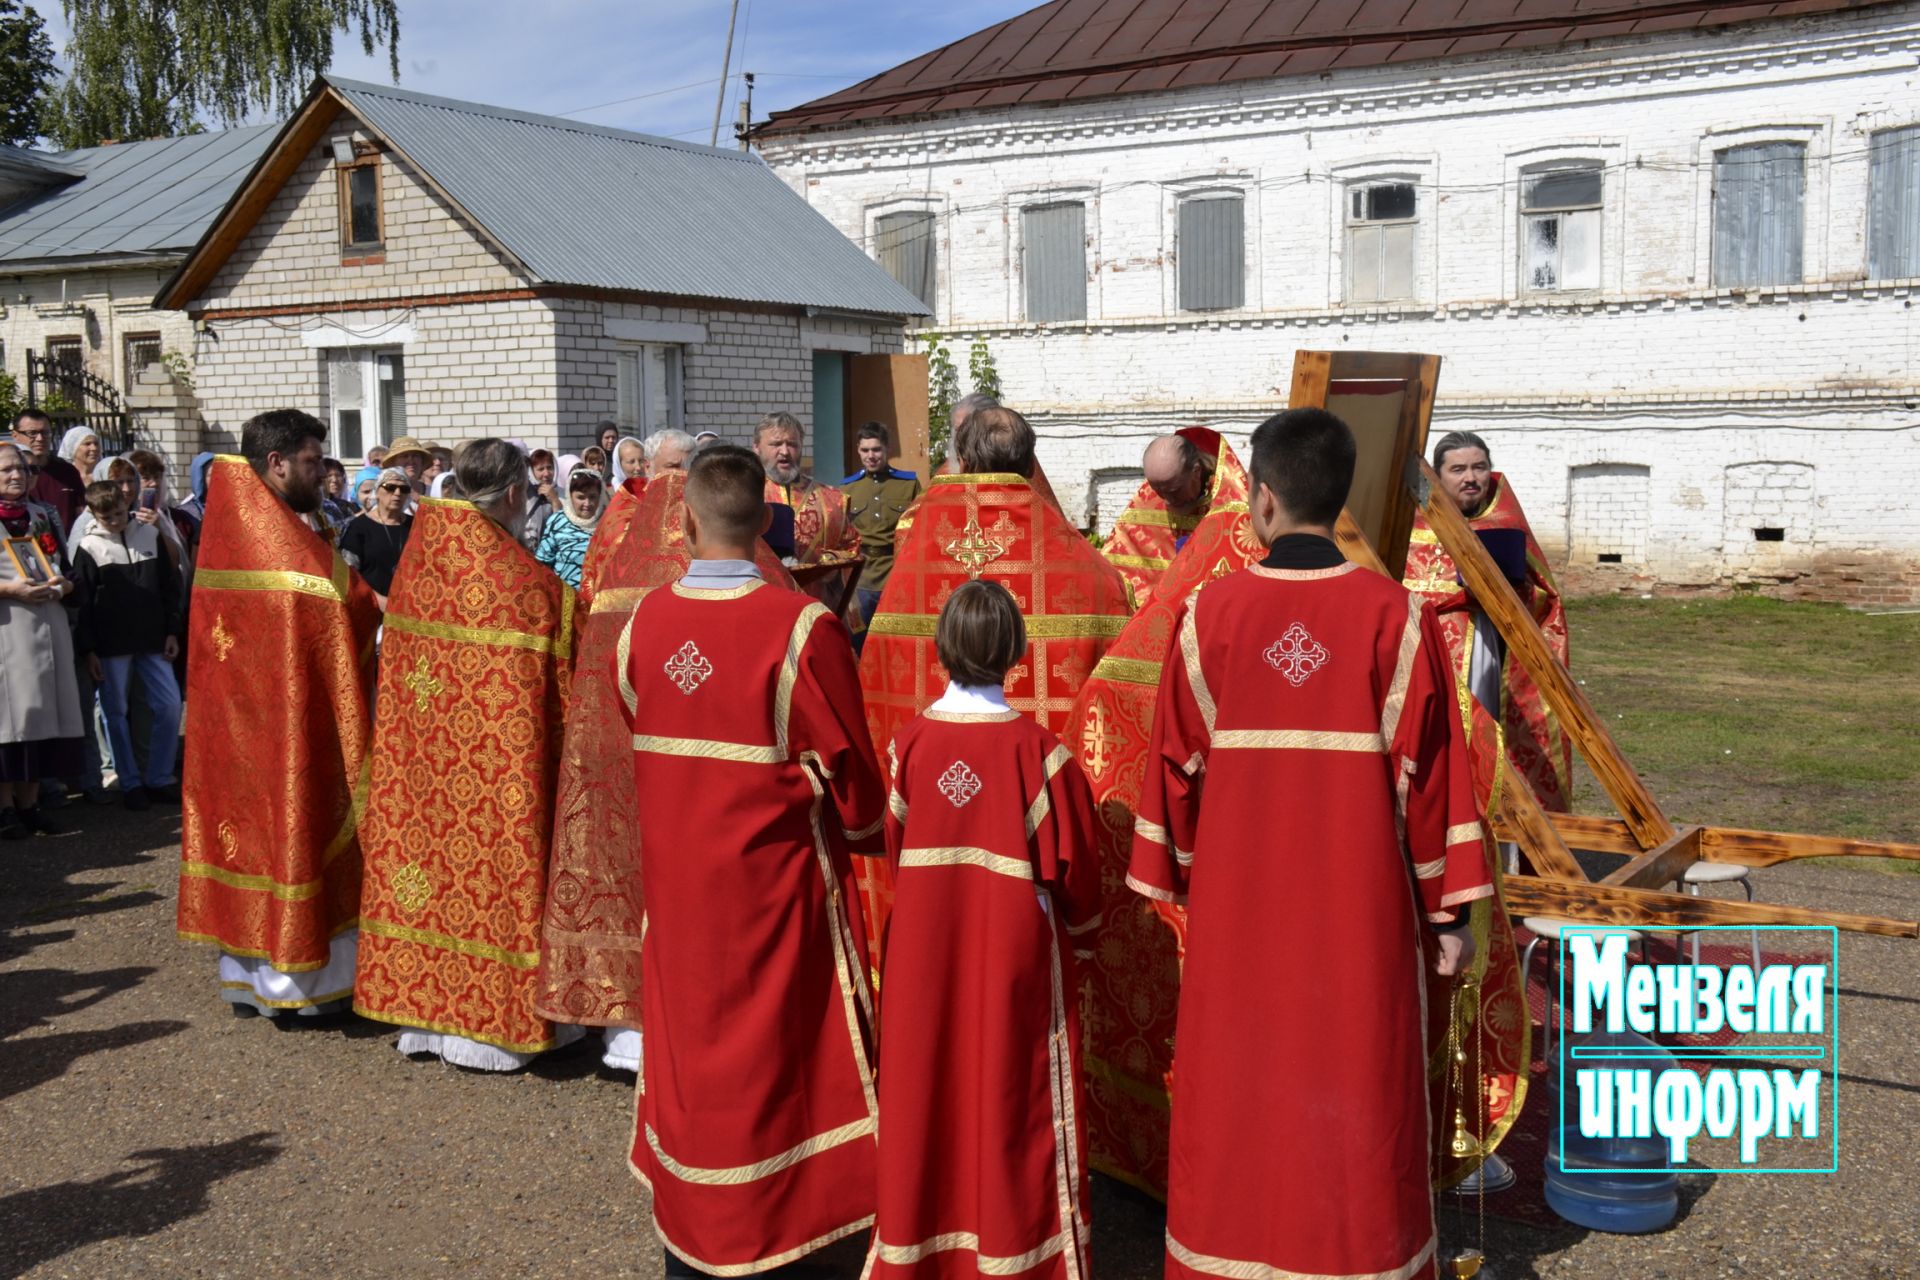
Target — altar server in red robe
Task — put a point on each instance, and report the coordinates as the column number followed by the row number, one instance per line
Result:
column 1308, row 766
column 756, row 1111
column 983, row 1154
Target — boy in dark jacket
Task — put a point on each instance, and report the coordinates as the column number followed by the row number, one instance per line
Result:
column 131, row 622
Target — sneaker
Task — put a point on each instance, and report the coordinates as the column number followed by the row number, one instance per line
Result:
column 166, row 793
column 52, row 799
column 136, row 799
column 11, row 828
column 99, row 795
column 35, row 821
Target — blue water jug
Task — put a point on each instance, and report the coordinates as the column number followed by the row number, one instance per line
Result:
column 1608, row 1184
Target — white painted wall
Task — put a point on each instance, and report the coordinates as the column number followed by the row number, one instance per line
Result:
column 1656, row 369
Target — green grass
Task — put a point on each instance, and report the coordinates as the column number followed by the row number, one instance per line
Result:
column 1756, row 713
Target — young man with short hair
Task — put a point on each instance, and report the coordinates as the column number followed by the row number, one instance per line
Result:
column 757, row 1110
column 1308, row 795
column 877, row 496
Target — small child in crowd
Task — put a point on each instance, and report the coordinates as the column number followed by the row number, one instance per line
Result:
column 131, row 621
column 563, row 542
column 991, row 830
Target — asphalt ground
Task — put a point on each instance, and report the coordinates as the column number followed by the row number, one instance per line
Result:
column 144, row 1131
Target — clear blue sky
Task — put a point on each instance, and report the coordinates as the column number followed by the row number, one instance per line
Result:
column 557, row 56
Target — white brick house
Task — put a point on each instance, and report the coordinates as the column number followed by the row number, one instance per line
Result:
column 403, row 264
column 1693, row 346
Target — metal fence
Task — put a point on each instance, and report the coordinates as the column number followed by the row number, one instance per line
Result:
column 72, row 397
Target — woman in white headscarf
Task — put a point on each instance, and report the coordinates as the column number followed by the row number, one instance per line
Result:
column 81, row 447
column 629, row 460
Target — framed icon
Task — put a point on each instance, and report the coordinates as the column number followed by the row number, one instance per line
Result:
column 30, row 561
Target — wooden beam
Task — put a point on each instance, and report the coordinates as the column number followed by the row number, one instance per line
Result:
column 1602, row 835
column 1409, row 442
column 1527, row 644
column 1661, row 865
column 1646, row 908
column 1519, row 811
column 1766, row 848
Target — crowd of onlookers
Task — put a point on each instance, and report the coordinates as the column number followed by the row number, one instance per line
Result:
column 98, row 567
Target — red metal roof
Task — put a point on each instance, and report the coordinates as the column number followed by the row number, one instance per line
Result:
column 1072, row 49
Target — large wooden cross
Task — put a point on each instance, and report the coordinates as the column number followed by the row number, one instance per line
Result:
column 1653, row 851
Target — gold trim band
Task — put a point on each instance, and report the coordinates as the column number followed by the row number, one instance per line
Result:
column 1046, row 626
column 305, row 584
column 253, row 884
column 456, row 634
column 903, row 1255
column 1297, row 740
column 732, row 1270
column 617, row 599
column 718, row 593
column 1043, row 803
column 461, row 946
column 961, row 856
column 708, row 749
column 739, row 1175
column 1138, row 562
column 1128, row 670
column 1464, row 832
column 1235, row 1269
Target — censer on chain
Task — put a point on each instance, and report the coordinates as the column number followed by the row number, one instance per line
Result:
column 1467, row 1143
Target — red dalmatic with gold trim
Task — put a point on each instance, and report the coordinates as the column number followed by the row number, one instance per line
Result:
column 608, row 536
column 1147, row 536
column 590, row 934
column 983, row 1153
column 1132, row 985
column 473, row 684
column 281, row 692
column 1000, row 528
column 1306, row 759
column 1537, row 745
column 756, row 1110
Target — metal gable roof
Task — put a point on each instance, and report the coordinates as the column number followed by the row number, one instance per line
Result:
column 1069, row 50
column 132, row 198
column 600, row 208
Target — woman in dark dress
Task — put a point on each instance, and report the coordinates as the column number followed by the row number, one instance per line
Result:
column 373, row 542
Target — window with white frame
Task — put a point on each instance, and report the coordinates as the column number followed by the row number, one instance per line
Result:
column 367, row 395
column 1211, row 254
column 1053, row 252
column 1382, row 228
column 1893, row 204
column 647, row 387
column 904, row 244
column 1759, row 223
column 1560, row 227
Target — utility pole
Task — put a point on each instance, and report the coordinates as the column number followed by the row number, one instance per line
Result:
column 726, row 68
column 746, row 112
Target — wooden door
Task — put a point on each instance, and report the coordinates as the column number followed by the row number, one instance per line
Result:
column 893, row 390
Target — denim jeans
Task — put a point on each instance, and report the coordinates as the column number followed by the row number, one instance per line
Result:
column 869, row 602
column 162, row 697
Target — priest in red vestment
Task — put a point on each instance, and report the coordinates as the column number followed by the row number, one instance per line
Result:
column 756, row 1110
column 1310, row 703
column 989, row 523
column 473, row 685
column 281, row 702
column 590, row 932
column 1189, row 475
column 983, row 1154
column 1537, row 745
column 615, row 523
column 822, row 534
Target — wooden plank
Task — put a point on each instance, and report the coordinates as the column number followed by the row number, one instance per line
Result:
column 1527, row 644
column 1646, row 908
column 892, row 390
column 1766, row 848
column 1602, row 835
column 1661, row 865
column 1410, row 443
column 1312, row 375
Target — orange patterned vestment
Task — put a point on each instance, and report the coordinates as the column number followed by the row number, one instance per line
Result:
column 473, row 677
column 1130, row 990
column 615, row 523
column 281, row 696
column 1147, row 536
column 1000, row 528
column 821, row 531
column 1537, row 745
column 590, row 932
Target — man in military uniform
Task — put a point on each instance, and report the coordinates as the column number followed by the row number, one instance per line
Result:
column 877, row 496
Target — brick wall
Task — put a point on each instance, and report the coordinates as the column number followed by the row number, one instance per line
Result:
column 104, row 306
column 1655, row 369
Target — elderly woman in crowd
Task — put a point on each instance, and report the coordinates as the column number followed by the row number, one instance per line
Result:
column 542, row 497
column 630, row 460
column 364, row 492
column 373, row 540
column 563, row 546
column 333, row 492
column 81, row 447
column 41, row 730
column 668, row 449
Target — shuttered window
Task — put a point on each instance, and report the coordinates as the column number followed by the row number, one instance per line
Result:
column 1382, row 222
column 904, row 243
column 1212, row 253
column 1053, row 241
column 1893, row 216
column 1758, row 223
